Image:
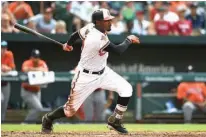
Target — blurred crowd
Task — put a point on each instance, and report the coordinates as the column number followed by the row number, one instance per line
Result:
column 184, row 18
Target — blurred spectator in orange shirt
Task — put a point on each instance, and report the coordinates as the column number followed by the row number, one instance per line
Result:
column 194, row 96
column 7, row 65
column 21, row 10
column 6, row 26
column 162, row 26
column 175, row 4
column 182, row 27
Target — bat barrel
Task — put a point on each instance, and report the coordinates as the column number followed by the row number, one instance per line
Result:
column 30, row 31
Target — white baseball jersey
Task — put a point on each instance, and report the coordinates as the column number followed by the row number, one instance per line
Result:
column 93, row 56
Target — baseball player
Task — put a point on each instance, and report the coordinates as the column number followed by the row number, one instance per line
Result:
column 31, row 94
column 93, row 73
column 7, row 64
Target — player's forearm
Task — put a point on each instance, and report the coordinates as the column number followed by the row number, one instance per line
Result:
column 118, row 49
column 26, row 69
column 41, row 69
column 73, row 37
column 9, row 67
column 6, row 69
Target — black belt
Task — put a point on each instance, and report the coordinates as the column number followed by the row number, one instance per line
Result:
column 97, row 72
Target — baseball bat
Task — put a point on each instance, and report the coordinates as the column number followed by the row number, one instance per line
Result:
column 33, row 32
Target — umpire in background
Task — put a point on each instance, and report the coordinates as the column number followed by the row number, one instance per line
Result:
column 31, row 94
column 7, row 64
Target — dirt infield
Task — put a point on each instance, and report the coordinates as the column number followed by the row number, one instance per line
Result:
column 103, row 134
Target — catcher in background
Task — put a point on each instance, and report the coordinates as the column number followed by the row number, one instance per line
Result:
column 193, row 95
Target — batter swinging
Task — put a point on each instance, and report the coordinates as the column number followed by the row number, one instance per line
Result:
column 93, row 73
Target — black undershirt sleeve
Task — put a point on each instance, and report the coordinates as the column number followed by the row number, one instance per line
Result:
column 118, row 49
column 73, row 37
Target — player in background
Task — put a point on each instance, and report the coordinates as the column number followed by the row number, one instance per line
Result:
column 193, row 95
column 96, row 104
column 7, row 64
column 93, row 73
column 31, row 94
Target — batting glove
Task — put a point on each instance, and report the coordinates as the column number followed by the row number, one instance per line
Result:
column 133, row 39
column 67, row 47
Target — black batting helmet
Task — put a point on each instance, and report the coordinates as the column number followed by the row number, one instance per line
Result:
column 101, row 14
column 35, row 53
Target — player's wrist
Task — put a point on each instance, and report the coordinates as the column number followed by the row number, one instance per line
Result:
column 127, row 39
column 67, row 47
column 133, row 39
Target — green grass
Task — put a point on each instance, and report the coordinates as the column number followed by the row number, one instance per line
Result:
column 102, row 127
